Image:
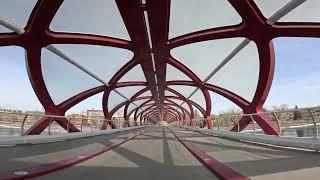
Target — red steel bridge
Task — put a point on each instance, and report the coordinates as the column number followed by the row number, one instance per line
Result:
column 155, row 61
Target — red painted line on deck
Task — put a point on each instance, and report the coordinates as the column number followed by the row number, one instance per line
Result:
column 51, row 167
column 219, row 169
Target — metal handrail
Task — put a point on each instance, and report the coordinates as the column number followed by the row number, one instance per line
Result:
column 21, row 119
column 49, row 127
column 315, row 132
column 270, row 112
column 278, row 123
column 46, row 115
column 308, row 116
column 22, row 124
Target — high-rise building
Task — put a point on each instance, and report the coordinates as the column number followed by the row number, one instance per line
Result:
column 95, row 116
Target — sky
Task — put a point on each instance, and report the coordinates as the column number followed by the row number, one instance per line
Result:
column 296, row 79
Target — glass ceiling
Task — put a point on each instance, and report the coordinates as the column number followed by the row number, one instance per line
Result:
column 147, row 93
column 183, row 22
column 198, row 98
column 103, row 61
column 175, row 74
column 241, row 74
column 183, row 90
column 129, row 91
column 210, row 53
column 169, row 93
column 62, row 79
column 136, row 103
column 16, row 11
column 114, row 100
column 199, row 41
column 97, row 15
column 135, row 74
column 268, row 8
column 301, row 15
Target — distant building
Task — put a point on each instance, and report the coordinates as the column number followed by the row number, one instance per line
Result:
column 34, row 112
column 10, row 110
column 94, row 116
column 17, row 116
column 10, row 116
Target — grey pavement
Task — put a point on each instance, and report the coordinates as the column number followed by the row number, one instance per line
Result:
column 22, row 156
column 257, row 161
column 155, row 155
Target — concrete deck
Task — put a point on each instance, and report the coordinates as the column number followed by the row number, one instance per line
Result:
column 257, row 162
column 157, row 154
column 22, row 156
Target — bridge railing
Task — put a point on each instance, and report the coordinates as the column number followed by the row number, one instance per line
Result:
column 16, row 124
column 303, row 122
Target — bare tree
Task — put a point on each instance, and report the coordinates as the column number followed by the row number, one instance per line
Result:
column 230, row 116
column 280, row 115
column 296, row 113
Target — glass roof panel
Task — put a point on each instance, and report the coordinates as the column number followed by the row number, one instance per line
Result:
column 147, row 105
column 175, row 107
column 198, row 98
column 63, row 80
column 139, row 111
column 203, row 57
column 131, row 107
column 268, row 8
column 175, row 74
column 179, row 102
column 240, row 75
column 114, row 100
column 168, row 93
column 16, row 11
column 129, row 91
column 221, row 104
column 135, row 74
column 197, row 112
column 306, row 12
column 184, row 90
column 93, row 102
column 91, row 17
column 139, row 102
column 4, row 30
column 184, row 18
column 136, row 103
column 147, row 93
column 179, row 110
column 103, row 61
column 185, row 105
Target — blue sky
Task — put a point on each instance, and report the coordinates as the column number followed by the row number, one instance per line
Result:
column 297, row 72
column 296, row 79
